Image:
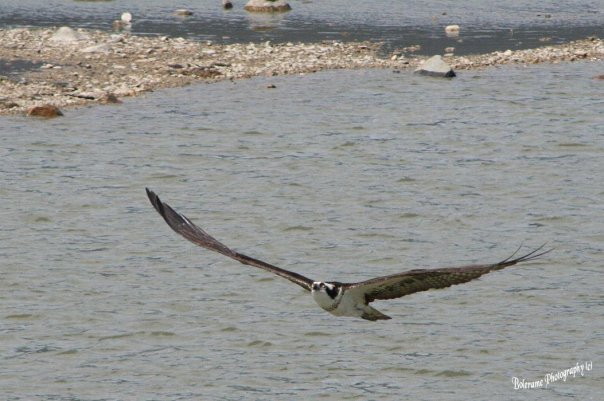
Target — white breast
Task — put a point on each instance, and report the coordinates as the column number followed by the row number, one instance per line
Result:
column 343, row 305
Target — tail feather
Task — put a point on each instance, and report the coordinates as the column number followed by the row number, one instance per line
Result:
column 373, row 314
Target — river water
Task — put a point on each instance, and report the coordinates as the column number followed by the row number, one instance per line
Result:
column 486, row 25
column 341, row 175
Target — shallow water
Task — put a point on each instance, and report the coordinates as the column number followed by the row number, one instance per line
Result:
column 485, row 25
column 100, row 300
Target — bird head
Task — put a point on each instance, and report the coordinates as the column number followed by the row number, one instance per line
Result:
column 328, row 288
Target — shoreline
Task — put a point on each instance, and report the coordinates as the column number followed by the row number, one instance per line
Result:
column 90, row 66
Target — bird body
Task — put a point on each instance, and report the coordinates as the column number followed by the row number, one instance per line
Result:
column 344, row 299
column 339, row 300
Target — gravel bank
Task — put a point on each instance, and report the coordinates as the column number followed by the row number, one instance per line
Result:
column 95, row 66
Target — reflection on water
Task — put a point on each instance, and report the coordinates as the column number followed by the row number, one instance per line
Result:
column 265, row 21
column 337, row 175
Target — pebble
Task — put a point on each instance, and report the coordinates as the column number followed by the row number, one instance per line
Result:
column 183, row 12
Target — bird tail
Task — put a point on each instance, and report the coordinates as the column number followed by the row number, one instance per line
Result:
column 373, row 314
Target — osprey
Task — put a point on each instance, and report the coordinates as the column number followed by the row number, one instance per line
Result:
column 344, row 299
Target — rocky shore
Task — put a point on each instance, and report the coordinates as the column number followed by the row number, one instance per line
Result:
column 80, row 67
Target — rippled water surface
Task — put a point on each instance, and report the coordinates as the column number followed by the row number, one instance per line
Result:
column 486, row 25
column 337, row 175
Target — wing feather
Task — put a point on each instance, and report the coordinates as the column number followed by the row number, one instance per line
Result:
column 185, row 227
column 412, row 281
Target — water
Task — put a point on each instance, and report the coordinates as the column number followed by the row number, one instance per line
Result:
column 486, row 25
column 100, row 300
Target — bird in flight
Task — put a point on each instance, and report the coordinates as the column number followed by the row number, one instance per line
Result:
column 345, row 299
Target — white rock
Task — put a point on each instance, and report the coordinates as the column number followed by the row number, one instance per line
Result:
column 117, row 38
column 66, row 35
column 102, row 48
column 183, row 12
column 436, row 67
column 124, row 23
column 452, row 30
column 126, row 17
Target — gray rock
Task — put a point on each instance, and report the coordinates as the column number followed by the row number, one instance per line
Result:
column 436, row 67
column 108, row 98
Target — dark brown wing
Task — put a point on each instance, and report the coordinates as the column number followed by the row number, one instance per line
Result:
column 399, row 285
column 185, row 227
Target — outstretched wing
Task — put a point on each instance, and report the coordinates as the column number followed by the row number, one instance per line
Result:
column 409, row 282
column 185, row 227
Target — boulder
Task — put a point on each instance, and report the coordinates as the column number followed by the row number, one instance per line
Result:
column 226, row 4
column 46, row 110
column 436, row 67
column 267, row 6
